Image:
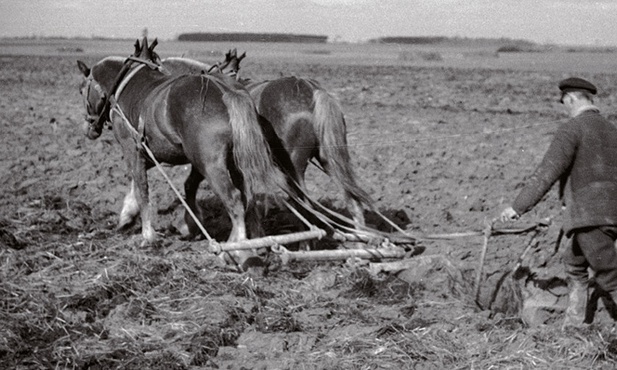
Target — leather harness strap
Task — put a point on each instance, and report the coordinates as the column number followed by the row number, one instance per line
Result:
column 139, row 133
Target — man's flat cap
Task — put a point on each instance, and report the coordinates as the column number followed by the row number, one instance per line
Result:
column 577, row 84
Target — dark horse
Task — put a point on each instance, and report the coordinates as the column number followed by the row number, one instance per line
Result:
column 308, row 120
column 194, row 119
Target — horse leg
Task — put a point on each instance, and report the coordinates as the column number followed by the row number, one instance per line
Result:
column 223, row 186
column 140, row 178
column 130, row 208
column 254, row 210
column 254, row 213
column 191, row 185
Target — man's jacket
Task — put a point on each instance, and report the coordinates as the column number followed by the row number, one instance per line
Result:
column 584, row 155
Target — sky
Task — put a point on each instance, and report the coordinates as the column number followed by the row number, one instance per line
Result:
column 566, row 22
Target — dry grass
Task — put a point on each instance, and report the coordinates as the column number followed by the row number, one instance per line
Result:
column 79, row 304
column 87, row 303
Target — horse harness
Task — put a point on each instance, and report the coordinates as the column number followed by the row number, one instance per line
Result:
column 139, row 133
column 92, row 83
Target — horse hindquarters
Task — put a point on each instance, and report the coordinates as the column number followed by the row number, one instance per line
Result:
column 222, row 139
column 311, row 124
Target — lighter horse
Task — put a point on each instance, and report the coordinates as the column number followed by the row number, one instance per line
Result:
column 192, row 119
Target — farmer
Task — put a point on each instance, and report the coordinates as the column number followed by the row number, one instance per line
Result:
column 583, row 156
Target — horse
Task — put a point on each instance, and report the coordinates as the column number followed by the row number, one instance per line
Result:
column 194, row 119
column 308, row 120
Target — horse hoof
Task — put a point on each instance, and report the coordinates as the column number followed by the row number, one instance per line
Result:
column 125, row 227
column 254, row 266
column 152, row 241
column 147, row 243
column 253, row 261
column 226, row 260
column 187, row 237
column 183, row 229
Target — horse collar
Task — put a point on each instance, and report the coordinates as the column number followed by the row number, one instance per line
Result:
column 150, row 64
column 126, row 80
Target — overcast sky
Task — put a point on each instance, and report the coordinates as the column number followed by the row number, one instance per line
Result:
column 580, row 22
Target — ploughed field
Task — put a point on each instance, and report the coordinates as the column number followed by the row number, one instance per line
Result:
column 441, row 149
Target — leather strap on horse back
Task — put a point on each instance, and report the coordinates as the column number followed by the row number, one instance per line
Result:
column 125, row 80
column 139, row 134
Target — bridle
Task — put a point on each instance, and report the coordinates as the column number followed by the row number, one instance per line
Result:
column 91, row 83
column 103, row 114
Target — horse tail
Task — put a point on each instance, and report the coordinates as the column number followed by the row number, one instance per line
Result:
column 329, row 123
column 251, row 152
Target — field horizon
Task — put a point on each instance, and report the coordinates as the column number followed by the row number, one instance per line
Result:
column 483, row 55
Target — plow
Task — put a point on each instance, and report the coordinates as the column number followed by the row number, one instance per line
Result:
column 389, row 252
column 384, row 243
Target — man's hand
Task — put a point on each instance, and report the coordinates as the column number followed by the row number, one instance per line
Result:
column 509, row 214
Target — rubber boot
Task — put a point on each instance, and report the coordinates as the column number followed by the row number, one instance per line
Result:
column 577, row 305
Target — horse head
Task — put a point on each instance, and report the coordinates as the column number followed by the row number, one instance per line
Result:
column 231, row 65
column 94, row 99
column 97, row 100
column 232, row 62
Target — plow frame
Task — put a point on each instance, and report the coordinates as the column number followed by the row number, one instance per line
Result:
column 380, row 245
column 275, row 242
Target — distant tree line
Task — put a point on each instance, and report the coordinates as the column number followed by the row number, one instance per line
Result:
column 252, row 37
column 428, row 40
column 409, row 40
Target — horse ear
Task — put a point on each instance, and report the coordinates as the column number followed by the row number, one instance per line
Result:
column 241, row 57
column 154, row 43
column 137, row 48
column 154, row 57
column 83, row 68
